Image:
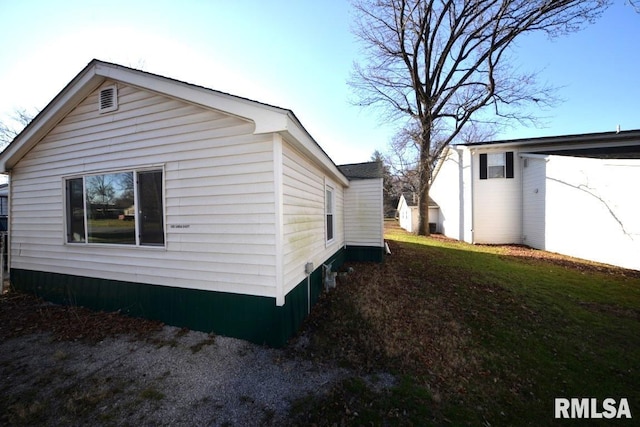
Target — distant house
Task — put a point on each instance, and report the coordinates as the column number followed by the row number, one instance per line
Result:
column 567, row 194
column 135, row 192
column 409, row 214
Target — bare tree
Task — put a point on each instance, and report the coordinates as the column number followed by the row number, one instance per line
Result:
column 442, row 65
column 10, row 129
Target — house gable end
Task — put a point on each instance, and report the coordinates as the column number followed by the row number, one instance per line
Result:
column 266, row 118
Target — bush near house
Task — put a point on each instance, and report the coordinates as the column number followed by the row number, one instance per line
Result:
column 478, row 335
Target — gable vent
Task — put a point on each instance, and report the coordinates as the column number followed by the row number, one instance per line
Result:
column 108, row 99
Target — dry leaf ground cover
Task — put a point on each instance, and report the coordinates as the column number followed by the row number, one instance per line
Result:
column 478, row 335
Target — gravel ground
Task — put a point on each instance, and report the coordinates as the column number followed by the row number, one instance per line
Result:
column 172, row 377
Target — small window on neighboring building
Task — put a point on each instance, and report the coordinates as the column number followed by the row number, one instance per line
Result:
column 496, row 165
column 108, row 99
column 329, row 213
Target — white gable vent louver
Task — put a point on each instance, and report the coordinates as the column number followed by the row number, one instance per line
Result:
column 108, row 99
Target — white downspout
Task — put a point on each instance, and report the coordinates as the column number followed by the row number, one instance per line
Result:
column 473, row 213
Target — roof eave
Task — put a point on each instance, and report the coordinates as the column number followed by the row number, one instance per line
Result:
column 294, row 131
column 589, row 140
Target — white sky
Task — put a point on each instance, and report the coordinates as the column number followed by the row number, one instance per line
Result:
column 292, row 54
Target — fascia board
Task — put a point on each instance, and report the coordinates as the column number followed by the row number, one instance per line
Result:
column 305, row 143
column 568, row 142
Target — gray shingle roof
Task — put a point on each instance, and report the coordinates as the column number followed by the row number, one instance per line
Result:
column 411, row 201
column 367, row 170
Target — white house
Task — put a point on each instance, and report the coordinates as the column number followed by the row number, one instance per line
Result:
column 572, row 194
column 409, row 214
column 236, row 206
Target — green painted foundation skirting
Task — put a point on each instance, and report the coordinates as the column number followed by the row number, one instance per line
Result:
column 252, row 318
column 365, row 253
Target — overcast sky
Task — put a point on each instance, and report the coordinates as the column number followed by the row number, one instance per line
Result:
column 292, row 54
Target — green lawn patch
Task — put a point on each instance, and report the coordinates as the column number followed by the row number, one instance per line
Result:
column 480, row 335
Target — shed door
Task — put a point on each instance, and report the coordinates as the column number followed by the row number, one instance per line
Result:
column 533, row 202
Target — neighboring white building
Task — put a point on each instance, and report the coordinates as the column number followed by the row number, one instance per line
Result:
column 409, row 214
column 568, row 194
column 236, row 206
column 363, row 210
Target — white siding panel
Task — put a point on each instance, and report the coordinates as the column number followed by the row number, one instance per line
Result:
column 592, row 209
column 497, row 206
column 363, row 213
column 533, row 202
column 304, row 216
column 447, row 191
column 219, row 195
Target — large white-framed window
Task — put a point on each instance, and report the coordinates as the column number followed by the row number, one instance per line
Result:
column 329, row 213
column 116, row 208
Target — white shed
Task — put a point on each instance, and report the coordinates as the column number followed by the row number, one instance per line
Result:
column 236, row 207
column 565, row 194
column 409, row 214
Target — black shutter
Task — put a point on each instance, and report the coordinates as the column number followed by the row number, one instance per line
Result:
column 483, row 166
column 509, row 164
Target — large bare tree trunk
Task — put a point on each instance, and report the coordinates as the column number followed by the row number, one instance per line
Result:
column 423, row 209
column 425, row 178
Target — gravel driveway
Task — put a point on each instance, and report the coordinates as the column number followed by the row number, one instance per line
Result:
column 174, row 377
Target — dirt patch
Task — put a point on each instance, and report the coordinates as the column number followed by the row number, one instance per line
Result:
column 71, row 366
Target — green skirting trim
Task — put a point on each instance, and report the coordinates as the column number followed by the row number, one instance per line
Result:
column 252, row 318
column 365, row 253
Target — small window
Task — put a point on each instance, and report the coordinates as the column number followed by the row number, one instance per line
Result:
column 75, row 210
column 150, row 212
column 110, row 209
column 495, row 165
column 108, row 99
column 329, row 213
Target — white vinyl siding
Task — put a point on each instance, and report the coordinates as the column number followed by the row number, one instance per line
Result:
column 451, row 190
column 304, row 216
column 363, row 213
column 219, row 195
column 533, row 201
column 497, row 207
column 592, row 210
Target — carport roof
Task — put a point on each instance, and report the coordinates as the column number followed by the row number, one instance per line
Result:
column 623, row 144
